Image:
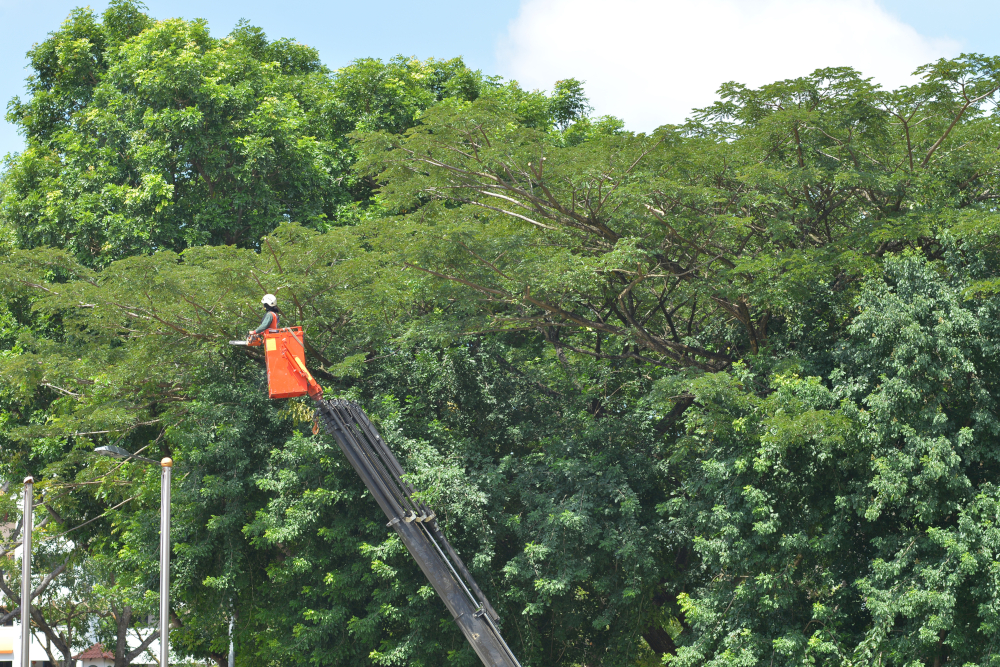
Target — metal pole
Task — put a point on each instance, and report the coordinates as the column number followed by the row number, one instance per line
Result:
column 165, row 466
column 27, row 526
column 232, row 645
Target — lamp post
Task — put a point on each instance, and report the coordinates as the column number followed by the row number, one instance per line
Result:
column 166, row 465
column 27, row 526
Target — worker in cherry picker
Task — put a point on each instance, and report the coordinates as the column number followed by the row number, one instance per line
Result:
column 271, row 312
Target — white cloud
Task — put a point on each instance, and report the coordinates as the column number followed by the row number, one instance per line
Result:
column 651, row 61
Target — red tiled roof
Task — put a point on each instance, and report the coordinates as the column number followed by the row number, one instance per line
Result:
column 95, row 652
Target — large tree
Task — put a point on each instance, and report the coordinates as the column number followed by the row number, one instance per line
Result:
column 146, row 135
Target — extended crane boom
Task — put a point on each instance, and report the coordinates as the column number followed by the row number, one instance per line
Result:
column 414, row 522
column 417, row 528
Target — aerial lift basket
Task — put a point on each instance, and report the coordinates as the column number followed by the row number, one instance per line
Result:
column 284, row 354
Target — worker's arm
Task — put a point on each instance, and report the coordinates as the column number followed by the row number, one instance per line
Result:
column 265, row 323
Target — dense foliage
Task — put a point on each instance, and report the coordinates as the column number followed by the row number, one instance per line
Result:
column 722, row 394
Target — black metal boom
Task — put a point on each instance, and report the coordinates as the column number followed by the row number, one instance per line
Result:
column 417, row 527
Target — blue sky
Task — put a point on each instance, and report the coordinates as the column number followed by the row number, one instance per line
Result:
column 647, row 61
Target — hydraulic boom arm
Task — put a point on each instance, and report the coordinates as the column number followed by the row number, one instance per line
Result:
column 416, row 524
column 417, row 528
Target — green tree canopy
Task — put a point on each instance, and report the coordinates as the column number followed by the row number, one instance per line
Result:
column 720, row 394
column 148, row 135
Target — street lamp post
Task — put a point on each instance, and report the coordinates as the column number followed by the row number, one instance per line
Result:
column 166, row 465
column 27, row 524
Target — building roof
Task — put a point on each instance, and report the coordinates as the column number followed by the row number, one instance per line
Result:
column 95, row 652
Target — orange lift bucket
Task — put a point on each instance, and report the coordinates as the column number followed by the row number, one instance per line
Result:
column 287, row 375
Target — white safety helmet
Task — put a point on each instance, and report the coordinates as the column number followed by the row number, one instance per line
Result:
column 269, row 300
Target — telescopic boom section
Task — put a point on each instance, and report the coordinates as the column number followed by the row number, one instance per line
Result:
column 414, row 522
column 417, row 528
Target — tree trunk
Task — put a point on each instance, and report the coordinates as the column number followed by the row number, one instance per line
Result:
column 123, row 619
column 658, row 640
column 53, row 638
column 36, row 614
